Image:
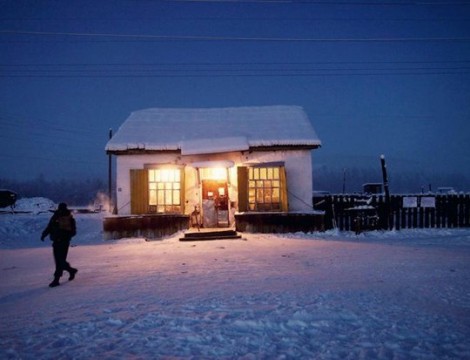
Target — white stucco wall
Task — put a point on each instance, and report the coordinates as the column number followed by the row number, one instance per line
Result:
column 297, row 162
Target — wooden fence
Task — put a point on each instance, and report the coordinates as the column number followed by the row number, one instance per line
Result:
column 147, row 226
column 358, row 212
column 278, row 222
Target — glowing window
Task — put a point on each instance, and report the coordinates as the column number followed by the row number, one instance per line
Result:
column 264, row 189
column 165, row 190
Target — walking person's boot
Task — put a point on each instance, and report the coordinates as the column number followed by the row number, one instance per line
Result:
column 72, row 273
column 55, row 282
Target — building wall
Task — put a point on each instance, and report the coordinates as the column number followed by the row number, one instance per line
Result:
column 298, row 166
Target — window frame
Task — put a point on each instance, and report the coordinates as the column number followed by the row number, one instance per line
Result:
column 140, row 191
column 162, row 189
column 264, row 188
column 243, row 177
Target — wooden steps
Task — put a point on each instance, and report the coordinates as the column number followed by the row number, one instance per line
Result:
column 210, row 234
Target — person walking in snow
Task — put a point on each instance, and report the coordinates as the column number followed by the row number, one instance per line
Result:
column 61, row 228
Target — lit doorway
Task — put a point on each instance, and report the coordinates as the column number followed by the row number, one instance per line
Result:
column 215, row 203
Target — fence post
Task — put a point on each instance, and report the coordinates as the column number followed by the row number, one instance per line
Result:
column 329, row 213
column 381, row 212
column 420, row 211
column 432, row 215
column 427, row 215
column 396, row 213
column 466, row 210
column 461, row 210
column 415, row 217
column 402, row 214
column 438, row 211
column 452, row 209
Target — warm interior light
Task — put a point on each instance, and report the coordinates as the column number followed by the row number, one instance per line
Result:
column 214, row 173
column 168, row 175
column 164, row 189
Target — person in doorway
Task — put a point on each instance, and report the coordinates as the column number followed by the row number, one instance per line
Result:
column 61, row 228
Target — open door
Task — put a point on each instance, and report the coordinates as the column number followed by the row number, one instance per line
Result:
column 215, row 203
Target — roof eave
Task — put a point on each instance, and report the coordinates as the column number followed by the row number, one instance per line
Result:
column 285, row 147
column 141, row 151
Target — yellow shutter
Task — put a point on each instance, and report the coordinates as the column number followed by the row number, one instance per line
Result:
column 284, row 197
column 139, row 191
column 182, row 191
column 242, row 177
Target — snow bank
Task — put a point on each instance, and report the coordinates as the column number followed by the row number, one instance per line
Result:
column 34, row 205
column 398, row 295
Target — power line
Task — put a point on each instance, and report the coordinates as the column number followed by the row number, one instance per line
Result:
column 233, row 69
column 370, row 72
column 237, row 75
column 229, row 69
column 239, row 63
column 29, row 125
column 50, row 139
column 45, row 138
column 26, row 126
column 313, row 2
column 31, row 131
column 236, row 18
column 55, row 159
column 232, row 38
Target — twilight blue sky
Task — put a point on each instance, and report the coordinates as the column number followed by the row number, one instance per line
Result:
column 375, row 77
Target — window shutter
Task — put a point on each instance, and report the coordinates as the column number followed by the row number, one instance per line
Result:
column 284, row 197
column 182, row 191
column 139, row 191
column 242, row 177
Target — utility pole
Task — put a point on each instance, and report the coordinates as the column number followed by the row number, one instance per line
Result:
column 344, row 180
column 385, row 178
column 386, row 190
column 110, row 178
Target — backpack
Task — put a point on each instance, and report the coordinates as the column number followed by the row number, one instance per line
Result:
column 66, row 224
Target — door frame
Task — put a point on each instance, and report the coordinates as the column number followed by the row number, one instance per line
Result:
column 210, row 191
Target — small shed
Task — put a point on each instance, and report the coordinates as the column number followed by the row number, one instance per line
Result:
column 213, row 165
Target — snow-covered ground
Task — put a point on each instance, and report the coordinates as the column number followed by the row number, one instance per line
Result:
column 397, row 295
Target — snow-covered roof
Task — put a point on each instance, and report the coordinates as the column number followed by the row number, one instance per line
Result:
column 214, row 130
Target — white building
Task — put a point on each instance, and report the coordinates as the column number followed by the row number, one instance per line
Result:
column 223, row 161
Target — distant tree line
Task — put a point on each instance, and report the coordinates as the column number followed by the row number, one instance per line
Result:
column 73, row 192
column 335, row 179
column 85, row 192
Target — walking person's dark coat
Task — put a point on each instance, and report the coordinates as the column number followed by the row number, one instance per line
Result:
column 61, row 228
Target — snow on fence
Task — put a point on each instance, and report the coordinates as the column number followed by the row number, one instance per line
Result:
column 359, row 212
